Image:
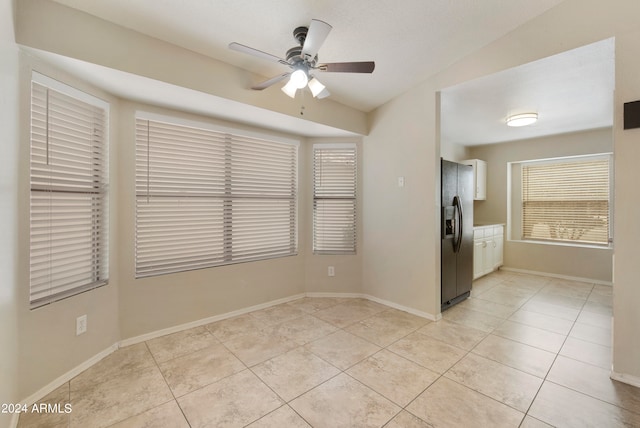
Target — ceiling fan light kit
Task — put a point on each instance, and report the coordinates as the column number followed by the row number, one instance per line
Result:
column 522, row 119
column 303, row 59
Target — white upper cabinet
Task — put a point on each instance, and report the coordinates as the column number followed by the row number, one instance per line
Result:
column 479, row 178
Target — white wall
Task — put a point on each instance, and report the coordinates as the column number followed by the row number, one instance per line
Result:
column 47, row 344
column 9, row 72
column 400, row 258
column 348, row 268
column 400, row 240
column 580, row 262
column 159, row 302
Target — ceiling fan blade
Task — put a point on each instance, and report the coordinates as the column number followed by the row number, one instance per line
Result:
column 270, row 82
column 255, row 52
column 318, row 32
column 348, row 67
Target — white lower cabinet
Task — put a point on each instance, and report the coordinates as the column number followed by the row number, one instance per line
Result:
column 488, row 245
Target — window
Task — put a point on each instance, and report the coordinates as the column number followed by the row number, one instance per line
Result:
column 68, row 197
column 567, row 200
column 334, row 199
column 208, row 196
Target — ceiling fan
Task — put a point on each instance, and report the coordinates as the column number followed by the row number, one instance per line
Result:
column 303, row 61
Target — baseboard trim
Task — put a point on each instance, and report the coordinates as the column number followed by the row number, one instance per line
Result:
column 389, row 303
column 204, row 321
column 625, row 378
column 56, row 383
column 553, row 275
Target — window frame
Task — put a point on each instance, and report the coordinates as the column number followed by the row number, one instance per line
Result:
column 67, row 194
column 352, row 249
column 226, row 218
column 515, row 219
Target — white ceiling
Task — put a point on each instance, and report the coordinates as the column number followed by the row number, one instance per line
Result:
column 572, row 91
column 408, row 39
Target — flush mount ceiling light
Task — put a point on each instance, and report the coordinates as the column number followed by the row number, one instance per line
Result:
column 522, row 119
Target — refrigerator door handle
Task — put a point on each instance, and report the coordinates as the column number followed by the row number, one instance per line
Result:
column 458, row 240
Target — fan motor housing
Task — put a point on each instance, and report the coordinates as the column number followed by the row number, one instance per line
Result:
column 300, row 34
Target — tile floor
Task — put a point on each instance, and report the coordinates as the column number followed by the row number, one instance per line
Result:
column 523, row 351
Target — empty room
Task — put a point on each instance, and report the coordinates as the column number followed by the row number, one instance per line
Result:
column 319, row 214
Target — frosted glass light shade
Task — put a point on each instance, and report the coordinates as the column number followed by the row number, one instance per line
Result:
column 299, row 79
column 523, row 119
column 290, row 89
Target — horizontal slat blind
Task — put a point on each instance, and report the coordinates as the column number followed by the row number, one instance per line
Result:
column 334, row 199
column 567, row 201
column 68, row 209
column 206, row 198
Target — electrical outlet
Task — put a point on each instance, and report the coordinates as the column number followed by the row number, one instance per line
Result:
column 331, row 271
column 81, row 325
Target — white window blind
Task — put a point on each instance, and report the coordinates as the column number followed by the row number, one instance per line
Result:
column 334, row 199
column 68, row 204
column 206, row 198
column 567, row 200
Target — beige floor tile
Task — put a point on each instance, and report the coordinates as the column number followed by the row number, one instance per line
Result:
column 545, row 322
column 314, row 304
column 342, row 349
column 532, row 336
column 60, row 397
column 484, row 284
column 605, row 290
column 604, row 299
column 595, row 319
column 514, row 354
column 123, row 395
column 349, row 312
column 386, row 327
column 488, row 307
column 283, row 417
column 304, row 329
column 595, row 382
column 587, row 352
column 563, row 407
column 449, row 404
column 556, row 311
column 534, row 282
column 130, row 359
column 453, row 333
column 259, row 346
column 589, row 333
column 579, row 290
column 559, row 300
column 277, row 314
column 231, row 328
column 393, row 376
column 407, row 420
column 428, row 352
column 472, row 318
column 174, row 345
column 505, row 384
column 528, row 285
column 294, row 373
column 344, row 402
column 509, row 295
column 167, row 415
column 234, row 401
column 197, row 369
column 599, row 308
column 529, row 422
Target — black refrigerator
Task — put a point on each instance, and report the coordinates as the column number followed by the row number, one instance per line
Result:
column 457, row 232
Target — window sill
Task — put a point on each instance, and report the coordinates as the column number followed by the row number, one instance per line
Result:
column 563, row 244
